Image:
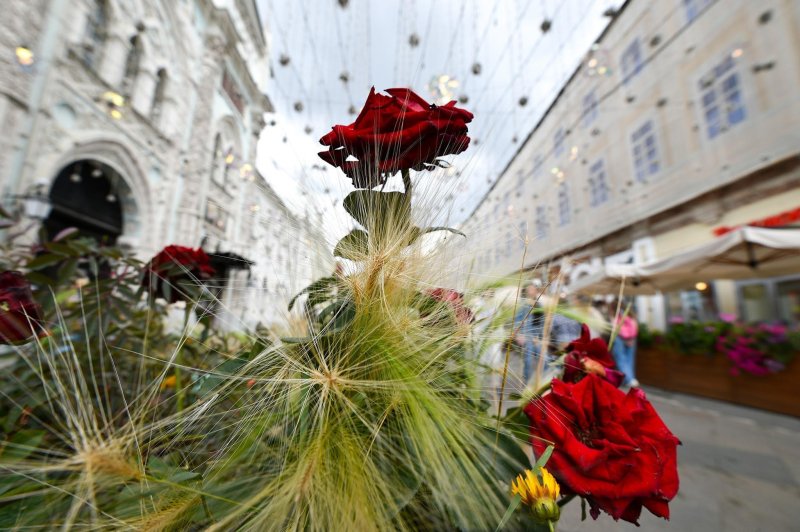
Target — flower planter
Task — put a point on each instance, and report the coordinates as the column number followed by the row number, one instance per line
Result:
column 709, row 376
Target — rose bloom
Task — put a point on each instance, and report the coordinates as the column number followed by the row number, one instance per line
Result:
column 586, row 355
column 174, row 265
column 610, row 448
column 456, row 302
column 20, row 315
column 396, row 132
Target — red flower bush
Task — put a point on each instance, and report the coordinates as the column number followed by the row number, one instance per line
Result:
column 396, row 132
column 455, row 300
column 20, row 315
column 610, row 448
column 175, row 266
column 586, row 355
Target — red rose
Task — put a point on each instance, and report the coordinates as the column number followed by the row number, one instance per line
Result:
column 456, row 302
column 174, row 265
column 587, row 355
column 20, row 315
column 610, row 448
column 396, row 132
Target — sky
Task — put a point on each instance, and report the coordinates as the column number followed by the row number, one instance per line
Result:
column 326, row 54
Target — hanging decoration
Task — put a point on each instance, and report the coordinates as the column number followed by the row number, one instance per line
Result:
column 476, row 68
column 546, row 25
column 523, row 101
column 413, row 40
column 284, row 59
column 298, row 106
column 344, row 76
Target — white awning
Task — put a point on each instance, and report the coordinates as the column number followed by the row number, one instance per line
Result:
column 748, row 252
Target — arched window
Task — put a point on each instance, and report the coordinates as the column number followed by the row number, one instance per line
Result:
column 158, row 95
column 95, row 33
column 132, row 65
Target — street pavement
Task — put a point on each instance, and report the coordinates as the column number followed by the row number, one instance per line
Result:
column 739, row 471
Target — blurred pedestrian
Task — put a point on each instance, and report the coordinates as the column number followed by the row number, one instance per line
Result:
column 563, row 329
column 528, row 327
column 624, row 346
column 593, row 317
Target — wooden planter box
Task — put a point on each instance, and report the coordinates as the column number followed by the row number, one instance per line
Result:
column 709, row 376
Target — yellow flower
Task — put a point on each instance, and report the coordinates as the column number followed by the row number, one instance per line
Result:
column 169, row 382
column 539, row 494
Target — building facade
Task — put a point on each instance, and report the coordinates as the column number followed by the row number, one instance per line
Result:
column 680, row 120
column 139, row 120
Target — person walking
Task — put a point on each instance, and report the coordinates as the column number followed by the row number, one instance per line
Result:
column 624, row 347
column 528, row 327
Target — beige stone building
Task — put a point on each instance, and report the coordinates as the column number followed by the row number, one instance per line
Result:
column 682, row 118
column 139, row 122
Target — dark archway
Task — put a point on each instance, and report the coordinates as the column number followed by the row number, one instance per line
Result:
column 85, row 195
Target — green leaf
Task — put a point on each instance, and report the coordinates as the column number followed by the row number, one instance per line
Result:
column 21, row 445
column 514, row 458
column 209, row 382
column 296, row 339
column 354, row 245
column 542, row 460
column 317, row 291
column 43, row 261
column 67, row 270
column 512, row 506
column 379, row 212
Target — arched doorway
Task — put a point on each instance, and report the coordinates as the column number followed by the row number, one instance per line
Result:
column 88, row 195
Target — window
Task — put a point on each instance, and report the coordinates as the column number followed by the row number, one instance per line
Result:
column 523, row 234
column 216, row 158
column 694, row 8
column 95, row 33
column 631, row 61
column 158, row 95
column 598, row 184
column 132, row 66
column 564, row 214
column 721, row 97
column 541, row 222
column 589, row 108
column 537, row 166
column 646, row 161
column 558, row 142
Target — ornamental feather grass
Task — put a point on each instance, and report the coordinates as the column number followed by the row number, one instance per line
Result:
column 372, row 420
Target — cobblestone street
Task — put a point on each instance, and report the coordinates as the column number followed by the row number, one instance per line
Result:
column 739, row 468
